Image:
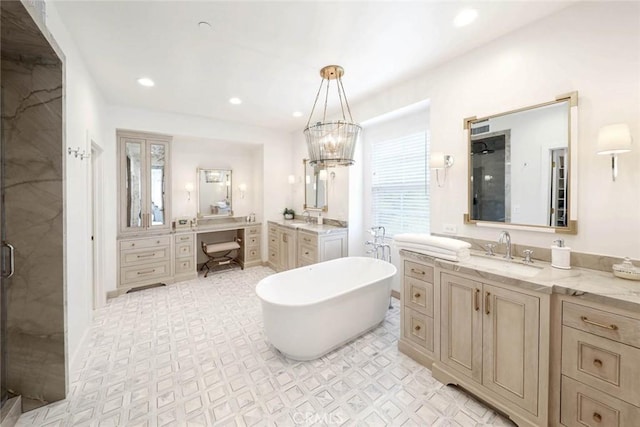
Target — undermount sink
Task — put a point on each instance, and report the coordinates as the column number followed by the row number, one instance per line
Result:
column 511, row 267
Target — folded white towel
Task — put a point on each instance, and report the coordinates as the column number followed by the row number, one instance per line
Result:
column 459, row 255
column 432, row 241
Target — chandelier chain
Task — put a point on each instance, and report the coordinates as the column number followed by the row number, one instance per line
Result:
column 315, row 102
column 345, row 101
column 326, row 99
column 339, row 84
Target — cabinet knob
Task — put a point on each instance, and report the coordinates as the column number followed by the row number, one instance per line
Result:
column 597, row 363
column 416, row 295
column 597, row 417
column 417, row 328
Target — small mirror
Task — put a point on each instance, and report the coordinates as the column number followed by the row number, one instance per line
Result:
column 214, row 193
column 520, row 171
column 315, row 186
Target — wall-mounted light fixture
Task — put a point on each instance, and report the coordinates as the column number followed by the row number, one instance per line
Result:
column 439, row 161
column 322, row 175
column 291, row 179
column 242, row 188
column 189, row 187
column 614, row 139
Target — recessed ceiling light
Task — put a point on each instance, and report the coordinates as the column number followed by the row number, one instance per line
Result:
column 465, row 17
column 297, row 114
column 146, row 81
column 235, row 101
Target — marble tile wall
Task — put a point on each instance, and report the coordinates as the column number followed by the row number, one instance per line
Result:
column 32, row 140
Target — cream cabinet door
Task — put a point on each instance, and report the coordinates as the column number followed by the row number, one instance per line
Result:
column 510, row 329
column 287, row 249
column 461, row 325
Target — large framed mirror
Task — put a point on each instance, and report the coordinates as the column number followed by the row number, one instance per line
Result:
column 315, row 187
column 214, row 193
column 522, row 167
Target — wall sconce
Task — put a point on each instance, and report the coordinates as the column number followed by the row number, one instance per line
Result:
column 242, row 188
column 322, row 175
column 292, row 179
column 189, row 187
column 439, row 161
column 614, row 139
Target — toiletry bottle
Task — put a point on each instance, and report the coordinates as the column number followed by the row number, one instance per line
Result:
column 560, row 255
column 319, row 218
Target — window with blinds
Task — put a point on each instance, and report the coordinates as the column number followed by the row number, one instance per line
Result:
column 399, row 186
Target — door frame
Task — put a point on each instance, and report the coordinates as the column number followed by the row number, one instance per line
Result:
column 96, row 210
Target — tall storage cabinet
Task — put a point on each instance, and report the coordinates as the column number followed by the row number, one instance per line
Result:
column 145, row 174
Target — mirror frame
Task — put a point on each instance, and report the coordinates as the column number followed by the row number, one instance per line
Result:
column 572, row 149
column 325, row 208
column 230, row 187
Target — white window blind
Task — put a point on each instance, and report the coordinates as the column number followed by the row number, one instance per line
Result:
column 399, row 187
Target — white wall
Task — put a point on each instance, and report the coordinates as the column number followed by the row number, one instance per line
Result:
column 556, row 55
column 188, row 154
column 84, row 119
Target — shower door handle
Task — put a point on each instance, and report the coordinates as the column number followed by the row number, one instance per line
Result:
column 12, row 260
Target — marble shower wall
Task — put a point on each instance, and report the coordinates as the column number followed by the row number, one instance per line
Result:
column 32, row 139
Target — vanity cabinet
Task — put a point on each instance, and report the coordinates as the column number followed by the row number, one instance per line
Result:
column 144, row 177
column 490, row 334
column 600, row 381
column 184, row 262
column 145, row 261
column 290, row 248
column 314, row 247
column 249, row 239
column 417, row 318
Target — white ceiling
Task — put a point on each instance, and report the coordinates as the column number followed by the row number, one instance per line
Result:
column 269, row 53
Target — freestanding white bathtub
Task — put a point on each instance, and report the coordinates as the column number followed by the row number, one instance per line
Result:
column 312, row 310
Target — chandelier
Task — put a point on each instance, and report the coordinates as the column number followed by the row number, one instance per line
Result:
column 332, row 143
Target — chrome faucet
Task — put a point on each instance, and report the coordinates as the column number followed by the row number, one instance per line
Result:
column 505, row 238
column 307, row 216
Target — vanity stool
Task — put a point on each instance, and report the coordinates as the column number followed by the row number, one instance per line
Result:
column 219, row 254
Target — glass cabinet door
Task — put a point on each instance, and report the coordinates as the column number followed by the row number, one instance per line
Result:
column 134, row 188
column 145, row 200
column 157, row 184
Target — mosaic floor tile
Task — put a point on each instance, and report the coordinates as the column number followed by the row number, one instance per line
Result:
column 194, row 354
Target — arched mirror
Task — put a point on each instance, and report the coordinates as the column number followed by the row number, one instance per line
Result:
column 522, row 167
column 214, row 193
column 315, row 186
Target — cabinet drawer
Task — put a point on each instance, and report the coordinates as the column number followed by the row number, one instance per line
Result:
column 184, row 265
column 253, row 254
column 144, row 256
column 583, row 406
column 606, row 365
column 307, row 255
column 613, row 326
column 273, row 241
column 418, row 271
column 273, row 229
column 418, row 295
column 144, row 273
column 145, row 243
column 273, row 256
column 418, row 328
column 252, row 241
column 183, row 238
column 252, row 231
column 184, row 250
column 308, row 239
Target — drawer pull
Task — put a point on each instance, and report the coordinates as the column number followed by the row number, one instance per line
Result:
column 146, row 272
column 306, row 253
column 158, row 242
column 476, row 298
column 601, row 325
column 597, row 417
column 306, row 239
column 416, row 295
column 417, row 328
column 184, row 238
column 597, row 363
column 487, row 303
column 147, row 255
column 413, row 270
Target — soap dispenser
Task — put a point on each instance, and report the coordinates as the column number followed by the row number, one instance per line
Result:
column 560, row 255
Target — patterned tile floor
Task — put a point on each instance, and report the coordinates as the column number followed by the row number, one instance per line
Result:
column 194, row 354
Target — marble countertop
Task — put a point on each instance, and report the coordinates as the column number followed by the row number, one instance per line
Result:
column 592, row 285
column 311, row 227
